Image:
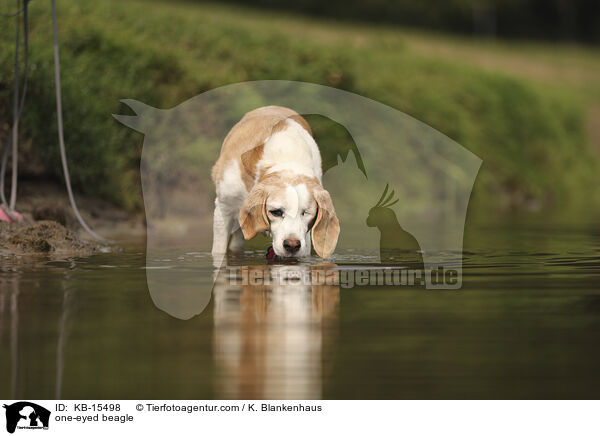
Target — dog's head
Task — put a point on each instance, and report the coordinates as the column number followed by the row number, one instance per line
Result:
column 292, row 209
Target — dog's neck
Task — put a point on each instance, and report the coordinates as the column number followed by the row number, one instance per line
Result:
column 292, row 151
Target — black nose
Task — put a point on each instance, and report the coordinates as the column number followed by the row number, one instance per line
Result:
column 291, row 245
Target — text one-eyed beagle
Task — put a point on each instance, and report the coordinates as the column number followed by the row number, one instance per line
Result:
column 268, row 179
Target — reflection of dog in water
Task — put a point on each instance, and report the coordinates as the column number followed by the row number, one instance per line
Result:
column 272, row 338
column 396, row 245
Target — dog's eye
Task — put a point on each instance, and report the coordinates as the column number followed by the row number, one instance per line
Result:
column 276, row 212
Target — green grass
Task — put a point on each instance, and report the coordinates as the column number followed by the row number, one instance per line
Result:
column 521, row 107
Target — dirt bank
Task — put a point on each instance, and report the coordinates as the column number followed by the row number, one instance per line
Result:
column 51, row 227
column 45, row 237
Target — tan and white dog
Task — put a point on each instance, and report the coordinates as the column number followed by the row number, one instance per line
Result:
column 268, row 179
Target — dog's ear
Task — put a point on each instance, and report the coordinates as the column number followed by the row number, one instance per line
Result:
column 253, row 215
column 250, row 158
column 326, row 228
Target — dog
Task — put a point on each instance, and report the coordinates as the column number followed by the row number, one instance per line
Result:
column 268, row 179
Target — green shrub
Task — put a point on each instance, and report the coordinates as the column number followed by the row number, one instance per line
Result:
column 532, row 139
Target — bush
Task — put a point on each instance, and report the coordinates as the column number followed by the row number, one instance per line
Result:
column 532, row 141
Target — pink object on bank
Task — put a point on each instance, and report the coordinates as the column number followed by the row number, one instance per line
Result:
column 14, row 216
column 4, row 216
column 17, row 215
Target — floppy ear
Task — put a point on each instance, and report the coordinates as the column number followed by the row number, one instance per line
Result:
column 253, row 215
column 250, row 158
column 326, row 229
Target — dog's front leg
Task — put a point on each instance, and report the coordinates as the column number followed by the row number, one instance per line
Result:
column 222, row 226
column 237, row 241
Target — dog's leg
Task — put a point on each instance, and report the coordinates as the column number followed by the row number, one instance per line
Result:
column 222, row 226
column 237, row 241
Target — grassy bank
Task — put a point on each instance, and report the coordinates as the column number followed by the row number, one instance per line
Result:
column 522, row 108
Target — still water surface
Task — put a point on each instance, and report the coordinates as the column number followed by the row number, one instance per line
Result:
column 526, row 324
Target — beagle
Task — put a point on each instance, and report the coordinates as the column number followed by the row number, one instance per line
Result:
column 268, row 179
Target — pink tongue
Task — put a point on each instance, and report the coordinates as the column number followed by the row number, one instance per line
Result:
column 270, row 253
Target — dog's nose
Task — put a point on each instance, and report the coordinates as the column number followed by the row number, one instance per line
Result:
column 291, row 245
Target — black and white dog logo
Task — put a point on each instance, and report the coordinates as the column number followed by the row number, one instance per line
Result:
column 26, row 415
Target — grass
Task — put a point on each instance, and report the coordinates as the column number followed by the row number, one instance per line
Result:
column 523, row 108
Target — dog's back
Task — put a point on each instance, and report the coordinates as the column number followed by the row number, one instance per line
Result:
column 250, row 132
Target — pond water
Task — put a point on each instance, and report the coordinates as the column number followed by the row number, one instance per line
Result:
column 525, row 324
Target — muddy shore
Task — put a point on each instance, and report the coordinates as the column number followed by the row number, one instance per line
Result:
column 50, row 226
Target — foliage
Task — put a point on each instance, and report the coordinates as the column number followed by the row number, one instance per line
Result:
column 532, row 138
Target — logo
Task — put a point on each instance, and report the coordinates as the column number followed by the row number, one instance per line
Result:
column 26, row 415
column 400, row 189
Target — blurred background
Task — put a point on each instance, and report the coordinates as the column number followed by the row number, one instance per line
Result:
column 516, row 82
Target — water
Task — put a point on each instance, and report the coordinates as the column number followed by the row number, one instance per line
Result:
column 526, row 324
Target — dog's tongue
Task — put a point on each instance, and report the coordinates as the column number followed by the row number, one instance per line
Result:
column 271, row 253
